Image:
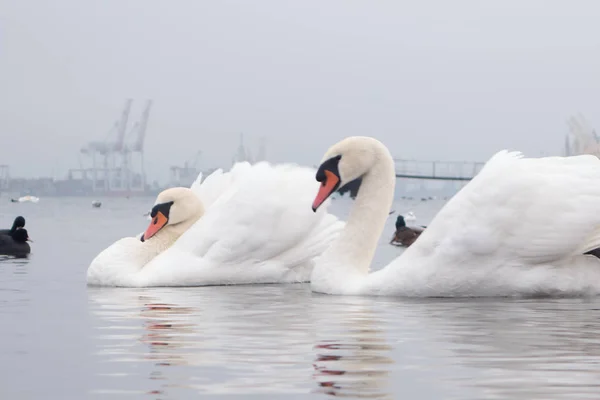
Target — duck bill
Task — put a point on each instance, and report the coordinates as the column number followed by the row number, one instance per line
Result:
column 157, row 223
column 328, row 186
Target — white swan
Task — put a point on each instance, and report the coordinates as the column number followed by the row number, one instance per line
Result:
column 250, row 225
column 525, row 225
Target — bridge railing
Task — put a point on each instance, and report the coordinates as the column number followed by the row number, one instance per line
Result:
column 438, row 170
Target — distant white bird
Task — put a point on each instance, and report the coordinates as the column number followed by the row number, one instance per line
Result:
column 410, row 217
column 28, row 198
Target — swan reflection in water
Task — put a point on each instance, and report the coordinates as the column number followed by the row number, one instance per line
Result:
column 162, row 325
column 352, row 359
column 283, row 340
column 232, row 340
column 162, row 330
column 528, row 348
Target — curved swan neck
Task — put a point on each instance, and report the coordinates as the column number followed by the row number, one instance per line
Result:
column 169, row 235
column 353, row 251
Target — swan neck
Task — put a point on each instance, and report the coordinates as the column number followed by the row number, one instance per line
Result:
column 369, row 214
column 347, row 262
column 169, row 235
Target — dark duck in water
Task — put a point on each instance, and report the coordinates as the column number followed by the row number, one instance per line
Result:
column 404, row 235
column 15, row 244
column 18, row 223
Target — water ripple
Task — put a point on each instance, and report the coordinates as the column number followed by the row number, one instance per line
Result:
column 284, row 340
column 271, row 341
column 240, row 343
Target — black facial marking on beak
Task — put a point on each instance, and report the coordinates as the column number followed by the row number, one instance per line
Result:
column 159, row 211
column 164, row 208
column 329, row 176
column 329, row 165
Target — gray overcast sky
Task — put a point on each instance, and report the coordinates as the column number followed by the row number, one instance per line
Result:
column 433, row 79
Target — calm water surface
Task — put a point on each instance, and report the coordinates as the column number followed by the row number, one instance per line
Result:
column 60, row 339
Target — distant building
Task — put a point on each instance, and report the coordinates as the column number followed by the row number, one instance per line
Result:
column 243, row 153
column 34, row 186
column 4, row 178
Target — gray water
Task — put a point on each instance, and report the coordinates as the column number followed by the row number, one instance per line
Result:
column 60, row 339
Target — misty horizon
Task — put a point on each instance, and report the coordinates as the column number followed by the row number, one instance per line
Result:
column 433, row 81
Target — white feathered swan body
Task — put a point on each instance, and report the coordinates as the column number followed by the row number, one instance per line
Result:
column 250, row 225
column 519, row 228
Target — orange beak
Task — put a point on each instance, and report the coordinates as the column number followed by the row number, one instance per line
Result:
column 327, row 188
column 157, row 223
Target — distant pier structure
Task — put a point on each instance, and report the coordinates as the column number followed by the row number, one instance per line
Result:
column 437, row 170
column 442, row 177
column 416, row 175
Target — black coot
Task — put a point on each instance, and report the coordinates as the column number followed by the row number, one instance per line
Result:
column 15, row 244
column 18, row 223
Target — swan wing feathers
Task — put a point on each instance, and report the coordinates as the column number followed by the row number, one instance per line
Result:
column 528, row 210
column 258, row 213
column 218, row 182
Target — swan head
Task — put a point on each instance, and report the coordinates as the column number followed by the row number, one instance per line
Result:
column 175, row 206
column 345, row 161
